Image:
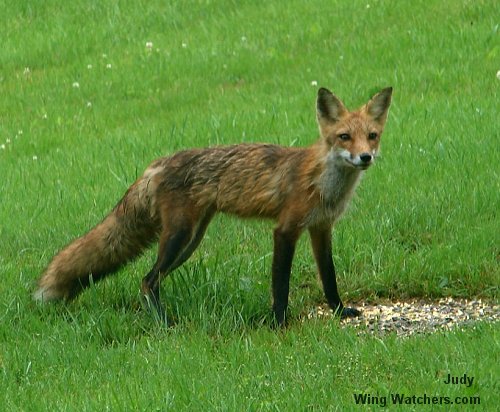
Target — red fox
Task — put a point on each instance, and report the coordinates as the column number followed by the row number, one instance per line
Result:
column 177, row 196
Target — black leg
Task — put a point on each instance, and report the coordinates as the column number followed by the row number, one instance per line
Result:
column 321, row 240
column 174, row 250
column 284, row 248
column 171, row 247
column 194, row 242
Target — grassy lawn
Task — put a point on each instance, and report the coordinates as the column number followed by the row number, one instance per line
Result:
column 93, row 91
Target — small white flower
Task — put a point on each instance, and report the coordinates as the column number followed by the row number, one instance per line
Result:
column 104, row 56
column 149, row 45
column 35, row 157
column 2, row 146
column 27, row 70
column 498, row 75
column 367, row 6
column 76, row 85
column 184, row 45
column 108, row 66
column 314, row 83
column 89, row 66
column 89, row 104
column 243, row 39
column 44, row 117
column 19, row 132
column 7, row 141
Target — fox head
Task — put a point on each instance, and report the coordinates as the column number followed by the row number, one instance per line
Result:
column 352, row 138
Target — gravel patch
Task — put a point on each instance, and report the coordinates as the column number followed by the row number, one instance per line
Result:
column 407, row 318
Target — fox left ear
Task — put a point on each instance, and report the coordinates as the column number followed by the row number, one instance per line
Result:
column 329, row 108
column 378, row 106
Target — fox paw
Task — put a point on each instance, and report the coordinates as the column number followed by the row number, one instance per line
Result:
column 349, row 313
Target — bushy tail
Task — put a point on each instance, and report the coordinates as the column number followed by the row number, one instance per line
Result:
column 130, row 227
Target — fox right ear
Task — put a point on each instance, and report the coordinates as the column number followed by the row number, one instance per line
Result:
column 378, row 106
column 329, row 108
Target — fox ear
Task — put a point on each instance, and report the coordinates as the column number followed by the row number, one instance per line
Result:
column 378, row 106
column 328, row 107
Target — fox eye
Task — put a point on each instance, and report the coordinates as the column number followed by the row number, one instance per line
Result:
column 372, row 136
column 344, row 136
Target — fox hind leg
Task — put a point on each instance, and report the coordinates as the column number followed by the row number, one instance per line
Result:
column 178, row 241
column 172, row 243
column 195, row 240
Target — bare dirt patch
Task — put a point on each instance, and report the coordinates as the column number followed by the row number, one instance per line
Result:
column 411, row 317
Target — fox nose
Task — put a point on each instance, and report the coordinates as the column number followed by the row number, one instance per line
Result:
column 365, row 157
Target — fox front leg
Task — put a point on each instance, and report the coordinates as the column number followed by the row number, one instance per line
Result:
column 321, row 239
column 284, row 248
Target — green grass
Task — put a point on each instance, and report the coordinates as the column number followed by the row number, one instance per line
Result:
column 86, row 106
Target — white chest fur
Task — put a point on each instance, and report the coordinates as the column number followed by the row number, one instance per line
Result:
column 336, row 186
